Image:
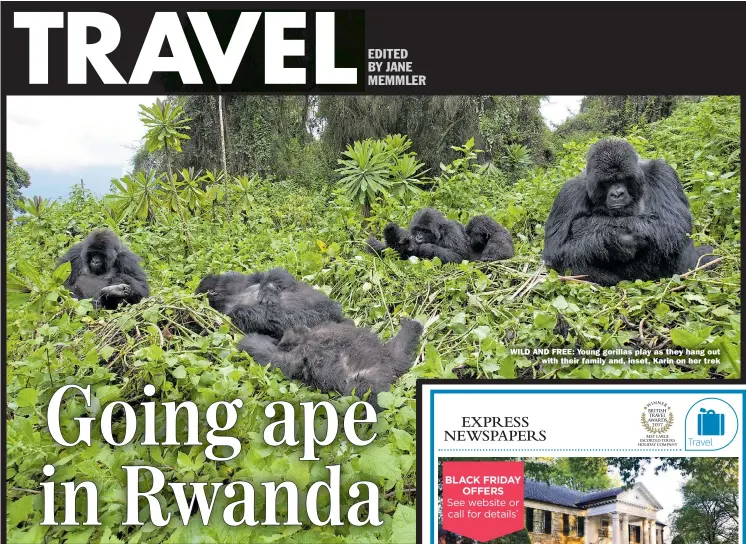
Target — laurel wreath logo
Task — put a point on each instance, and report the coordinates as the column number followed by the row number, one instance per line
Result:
column 653, row 430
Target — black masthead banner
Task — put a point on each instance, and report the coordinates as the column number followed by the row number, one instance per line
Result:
column 466, row 48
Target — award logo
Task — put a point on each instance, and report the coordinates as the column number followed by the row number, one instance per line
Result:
column 657, row 419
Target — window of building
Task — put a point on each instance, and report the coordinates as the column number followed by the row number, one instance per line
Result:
column 569, row 525
column 581, row 526
column 541, row 521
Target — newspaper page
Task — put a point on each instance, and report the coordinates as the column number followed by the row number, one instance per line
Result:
column 244, row 243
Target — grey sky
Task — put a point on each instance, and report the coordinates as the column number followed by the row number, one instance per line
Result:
column 63, row 139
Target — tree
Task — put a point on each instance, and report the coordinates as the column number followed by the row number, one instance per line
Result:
column 434, row 123
column 709, row 513
column 225, row 164
column 165, row 132
column 514, row 131
column 581, row 473
column 604, row 115
column 631, row 467
column 16, row 178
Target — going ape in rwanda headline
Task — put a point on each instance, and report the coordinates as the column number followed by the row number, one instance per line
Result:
column 221, row 447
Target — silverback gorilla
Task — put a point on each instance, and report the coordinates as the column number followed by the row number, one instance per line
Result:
column 430, row 235
column 269, row 302
column 489, row 240
column 105, row 270
column 622, row 218
column 338, row 356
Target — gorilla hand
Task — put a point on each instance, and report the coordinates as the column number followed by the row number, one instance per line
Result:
column 399, row 239
column 119, row 290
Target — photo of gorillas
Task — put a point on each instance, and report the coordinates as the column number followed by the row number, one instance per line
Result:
column 622, row 218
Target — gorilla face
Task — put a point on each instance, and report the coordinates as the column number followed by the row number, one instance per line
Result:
column 97, row 264
column 425, row 234
column 614, row 179
column 100, row 253
column 478, row 238
column 425, row 226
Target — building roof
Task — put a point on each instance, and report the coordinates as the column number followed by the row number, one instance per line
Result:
column 553, row 494
column 562, row 496
column 599, row 495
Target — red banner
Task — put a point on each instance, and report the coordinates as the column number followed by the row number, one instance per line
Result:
column 483, row 500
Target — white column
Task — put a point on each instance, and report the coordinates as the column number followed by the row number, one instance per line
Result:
column 644, row 532
column 591, row 531
column 651, row 531
column 615, row 528
column 625, row 528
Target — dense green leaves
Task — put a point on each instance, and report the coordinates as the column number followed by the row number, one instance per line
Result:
column 166, row 125
column 16, row 178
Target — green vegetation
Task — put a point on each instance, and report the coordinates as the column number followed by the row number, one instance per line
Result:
column 474, row 313
column 16, row 178
column 709, row 513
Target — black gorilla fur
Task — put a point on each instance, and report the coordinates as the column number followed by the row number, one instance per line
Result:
column 622, row 218
column 430, row 235
column 489, row 240
column 105, row 270
column 339, row 356
column 269, row 302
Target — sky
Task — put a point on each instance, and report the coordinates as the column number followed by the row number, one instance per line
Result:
column 63, row 139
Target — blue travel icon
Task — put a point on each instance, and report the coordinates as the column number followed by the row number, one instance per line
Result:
column 710, row 423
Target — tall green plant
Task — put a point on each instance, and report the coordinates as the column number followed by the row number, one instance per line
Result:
column 166, row 126
column 517, row 160
column 376, row 168
column 136, row 196
column 365, row 172
column 39, row 209
column 244, row 187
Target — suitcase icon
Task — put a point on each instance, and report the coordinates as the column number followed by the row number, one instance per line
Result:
column 709, row 423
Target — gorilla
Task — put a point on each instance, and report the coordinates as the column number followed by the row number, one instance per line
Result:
column 338, row 356
column 622, row 218
column 430, row 235
column 269, row 302
column 105, row 270
column 489, row 240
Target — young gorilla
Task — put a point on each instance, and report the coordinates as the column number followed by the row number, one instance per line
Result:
column 338, row 356
column 269, row 302
column 489, row 240
column 622, row 218
column 105, row 270
column 430, row 235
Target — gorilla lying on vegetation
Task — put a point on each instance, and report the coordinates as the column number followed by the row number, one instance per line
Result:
column 338, row 356
column 430, row 235
column 269, row 302
column 489, row 240
column 622, row 218
column 105, row 270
